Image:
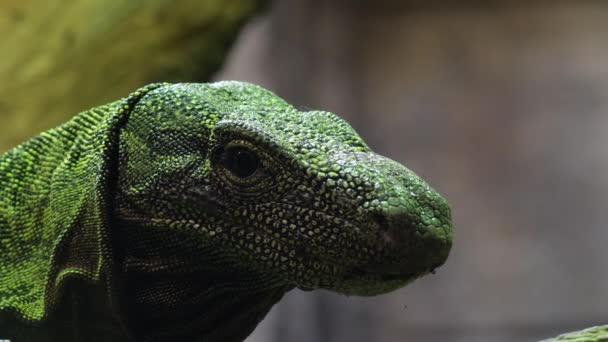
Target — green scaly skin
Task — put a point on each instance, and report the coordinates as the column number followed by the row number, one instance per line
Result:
column 593, row 334
column 185, row 211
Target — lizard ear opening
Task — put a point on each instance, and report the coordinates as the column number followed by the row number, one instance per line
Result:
column 67, row 207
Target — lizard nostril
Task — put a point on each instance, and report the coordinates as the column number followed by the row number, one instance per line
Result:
column 384, row 228
column 393, row 228
column 381, row 221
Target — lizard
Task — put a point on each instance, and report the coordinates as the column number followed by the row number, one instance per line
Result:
column 185, row 211
column 593, row 334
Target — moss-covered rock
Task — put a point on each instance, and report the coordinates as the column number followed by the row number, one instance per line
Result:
column 60, row 57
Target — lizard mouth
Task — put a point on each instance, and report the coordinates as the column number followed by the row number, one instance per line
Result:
column 382, row 277
column 389, row 272
column 362, row 273
column 362, row 281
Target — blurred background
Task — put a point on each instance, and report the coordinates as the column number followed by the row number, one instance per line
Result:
column 502, row 106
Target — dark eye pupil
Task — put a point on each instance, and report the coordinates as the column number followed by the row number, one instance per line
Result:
column 241, row 161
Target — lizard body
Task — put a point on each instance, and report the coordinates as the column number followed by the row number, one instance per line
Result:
column 185, row 211
column 592, row 334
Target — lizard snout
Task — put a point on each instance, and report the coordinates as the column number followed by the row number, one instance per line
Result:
column 416, row 241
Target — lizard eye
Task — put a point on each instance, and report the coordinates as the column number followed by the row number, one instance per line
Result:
column 240, row 161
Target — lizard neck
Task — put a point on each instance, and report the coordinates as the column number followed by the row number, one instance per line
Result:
column 172, row 290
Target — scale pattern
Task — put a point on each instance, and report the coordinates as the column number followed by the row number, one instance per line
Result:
column 593, row 334
column 185, row 211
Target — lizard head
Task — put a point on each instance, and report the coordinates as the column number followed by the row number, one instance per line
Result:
column 235, row 181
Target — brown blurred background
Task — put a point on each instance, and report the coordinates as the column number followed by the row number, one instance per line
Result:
column 503, row 107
